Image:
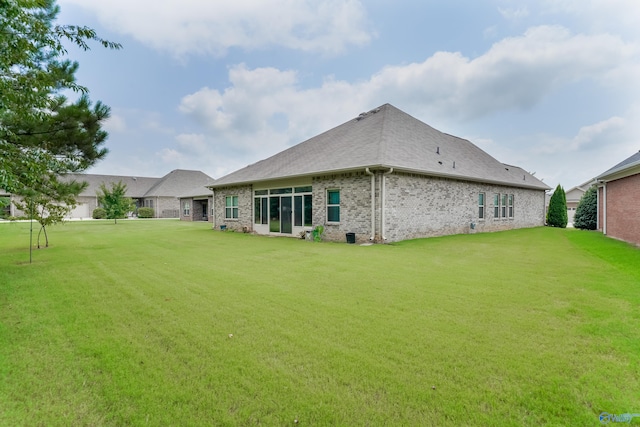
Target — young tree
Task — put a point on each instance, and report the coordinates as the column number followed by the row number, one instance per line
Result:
column 42, row 134
column 586, row 217
column 114, row 201
column 51, row 207
column 557, row 213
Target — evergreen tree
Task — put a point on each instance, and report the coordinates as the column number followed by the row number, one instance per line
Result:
column 586, row 217
column 557, row 213
column 42, row 134
column 114, row 201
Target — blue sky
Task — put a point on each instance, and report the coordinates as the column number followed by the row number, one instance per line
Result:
column 548, row 85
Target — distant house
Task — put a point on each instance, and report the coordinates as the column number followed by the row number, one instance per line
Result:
column 383, row 176
column 197, row 204
column 619, row 200
column 573, row 198
column 161, row 194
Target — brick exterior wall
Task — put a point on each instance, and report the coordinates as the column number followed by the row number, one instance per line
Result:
column 196, row 209
column 355, row 205
column 245, row 208
column 623, row 209
column 415, row 206
column 419, row 206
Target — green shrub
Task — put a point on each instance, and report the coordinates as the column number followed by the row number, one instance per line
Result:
column 586, row 217
column 145, row 213
column 557, row 214
column 99, row 213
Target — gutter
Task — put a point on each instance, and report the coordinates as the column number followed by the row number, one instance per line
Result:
column 382, row 197
column 373, row 204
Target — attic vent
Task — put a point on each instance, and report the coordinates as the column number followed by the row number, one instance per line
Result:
column 439, row 162
column 524, row 177
column 506, row 169
column 437, row 150
column 454, row 165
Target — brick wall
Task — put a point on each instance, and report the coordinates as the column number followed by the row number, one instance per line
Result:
column 623, row 209
column 419, row 206
column 245, row 207
column 355, row 205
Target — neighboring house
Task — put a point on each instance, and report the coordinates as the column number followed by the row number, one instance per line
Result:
column 8, row 210
column 197, row 204
column 384, row 176
column 619, row 200
column 573, row 198
column 161, row 194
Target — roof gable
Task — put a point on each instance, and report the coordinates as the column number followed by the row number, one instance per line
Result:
column 178, row 182
column 385, row 137
column 629, row 166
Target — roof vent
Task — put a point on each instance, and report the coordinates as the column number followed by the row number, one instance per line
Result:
column 454, row 165
column 439, row 162
column 437, row 150
column 506, row 169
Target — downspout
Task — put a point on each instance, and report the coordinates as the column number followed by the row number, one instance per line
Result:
column 373, row 204
column 158, row 207
column 604, row 208
column 597, row 205
column 213, row 208
column 383, row 195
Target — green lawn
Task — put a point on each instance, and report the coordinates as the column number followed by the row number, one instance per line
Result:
column 131, row 324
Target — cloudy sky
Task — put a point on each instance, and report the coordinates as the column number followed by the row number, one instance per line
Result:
column 213, row 85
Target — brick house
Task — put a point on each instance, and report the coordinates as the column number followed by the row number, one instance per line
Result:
column 619, row 200
column 384, row 176
column 161, row 194
column 197, row 204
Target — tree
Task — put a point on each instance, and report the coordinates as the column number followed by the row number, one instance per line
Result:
column 114, row 201
column 42, row 134
column 51, row 207
column 557, row 213
column 586, row 217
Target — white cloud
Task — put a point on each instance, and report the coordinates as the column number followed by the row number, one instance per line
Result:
column 514, row 14
column 211, row 27
column 515, row 74
column 115, row 123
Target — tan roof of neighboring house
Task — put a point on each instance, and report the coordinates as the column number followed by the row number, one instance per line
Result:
column 385, row 137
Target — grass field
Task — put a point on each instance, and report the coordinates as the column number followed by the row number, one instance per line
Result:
column 170, row 323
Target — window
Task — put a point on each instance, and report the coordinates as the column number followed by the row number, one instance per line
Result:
column 510, row 205
column 481, row 206
column 503, row 206
column 333, row 205
column 231, row 207
column 302, row 208
column 186, row 209
column 496, row 206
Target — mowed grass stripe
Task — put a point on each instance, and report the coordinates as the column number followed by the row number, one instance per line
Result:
column 130, row 323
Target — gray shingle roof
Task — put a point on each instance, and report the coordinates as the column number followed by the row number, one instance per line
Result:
column 626, row 163
column 385, row 137
column 173, row 184
column 178, row 182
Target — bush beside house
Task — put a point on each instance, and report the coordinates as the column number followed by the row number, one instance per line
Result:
column 586, row 217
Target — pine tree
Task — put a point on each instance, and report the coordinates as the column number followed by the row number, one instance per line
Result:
column 42, row 134
column 586, row 217
column 557, row 213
